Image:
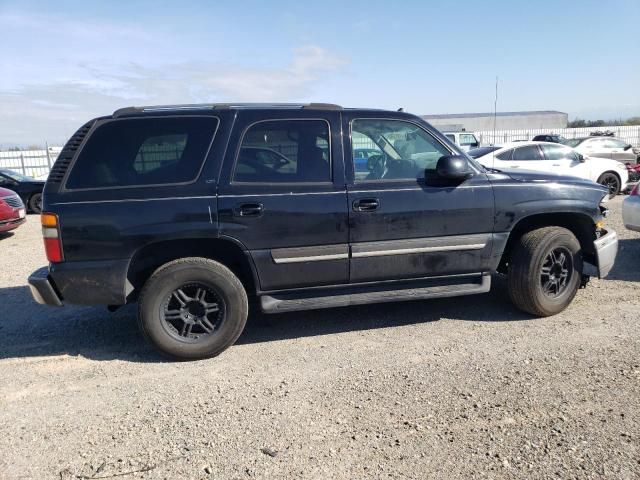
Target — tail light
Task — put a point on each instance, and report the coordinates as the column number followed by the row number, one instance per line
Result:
column 51, row 235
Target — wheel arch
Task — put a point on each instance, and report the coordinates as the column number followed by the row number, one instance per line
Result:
column 227, row 251
column 580, row 224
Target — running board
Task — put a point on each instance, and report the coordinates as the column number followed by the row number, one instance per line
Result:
column 291, row 302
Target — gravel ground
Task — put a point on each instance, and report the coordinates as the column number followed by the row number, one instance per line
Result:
column 453, row 388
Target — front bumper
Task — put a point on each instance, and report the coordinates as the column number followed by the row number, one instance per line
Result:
column 42, row 288
column 606, row 248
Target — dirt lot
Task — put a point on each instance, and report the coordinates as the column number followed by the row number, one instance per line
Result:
column 453, row 388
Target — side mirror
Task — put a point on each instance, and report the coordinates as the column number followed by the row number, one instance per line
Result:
column 453, row 167
column 628, row 147
column 581, row 158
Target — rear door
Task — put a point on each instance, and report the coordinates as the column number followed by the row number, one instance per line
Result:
column 403, row 223
column 527, row 157
column 282, row 197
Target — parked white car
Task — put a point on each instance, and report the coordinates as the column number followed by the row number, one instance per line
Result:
column 631, row 209
column 554, row 158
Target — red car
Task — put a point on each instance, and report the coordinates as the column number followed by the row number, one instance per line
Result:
column 12, row 211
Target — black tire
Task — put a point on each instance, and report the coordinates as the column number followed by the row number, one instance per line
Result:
column 528, row 284
column 612, row 182
column 164, row 316
column 35, row 203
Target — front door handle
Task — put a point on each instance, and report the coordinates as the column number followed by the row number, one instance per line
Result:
column 514, row 166
column 249, row 210
column 366, row 204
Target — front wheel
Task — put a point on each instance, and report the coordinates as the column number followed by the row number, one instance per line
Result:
column 35, row 203
column 192, row 308
column 612, row 182
column 545, row 271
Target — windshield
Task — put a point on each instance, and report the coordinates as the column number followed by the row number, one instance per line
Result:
column 479, row 152
column 18, row 177
column 574, row 142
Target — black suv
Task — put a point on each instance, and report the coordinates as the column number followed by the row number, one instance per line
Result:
column 190, row 210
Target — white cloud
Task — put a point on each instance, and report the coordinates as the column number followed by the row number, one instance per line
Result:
column 52, row 110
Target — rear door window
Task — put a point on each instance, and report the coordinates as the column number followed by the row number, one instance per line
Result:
column 143, row 151
column 284, row 151
column 529, row 152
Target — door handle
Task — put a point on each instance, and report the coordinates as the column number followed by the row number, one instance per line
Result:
column 514, row 166
column 366, row 204
column 555, row 165
column 249, row 210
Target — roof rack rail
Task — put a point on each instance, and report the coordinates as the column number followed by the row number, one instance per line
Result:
column 221, row 106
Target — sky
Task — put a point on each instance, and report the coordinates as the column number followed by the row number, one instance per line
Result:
column 65, row 62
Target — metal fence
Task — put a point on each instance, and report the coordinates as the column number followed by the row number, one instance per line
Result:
column 34, row 163
column 630, row 134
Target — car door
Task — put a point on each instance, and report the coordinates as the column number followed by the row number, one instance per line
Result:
column 404, row 222
column 620, row 150
column 564, row 161
column 526, row 157
column 283, row 198
column 595, row 147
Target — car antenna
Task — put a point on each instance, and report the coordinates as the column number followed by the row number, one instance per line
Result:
column 401, row 109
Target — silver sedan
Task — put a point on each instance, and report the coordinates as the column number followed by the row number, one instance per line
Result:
column 631, row 210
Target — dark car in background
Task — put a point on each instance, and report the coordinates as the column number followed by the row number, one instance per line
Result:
column 29, row 189
column 12, row 211
column 549, row 137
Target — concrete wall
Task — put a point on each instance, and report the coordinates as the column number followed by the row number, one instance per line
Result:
column 503, row 121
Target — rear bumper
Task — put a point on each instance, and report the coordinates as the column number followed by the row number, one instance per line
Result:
column 606, row 250
column 82, row 283
column 42, row 290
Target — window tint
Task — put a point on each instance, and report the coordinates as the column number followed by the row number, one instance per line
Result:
column 506, row 155
column 405, row 151
column 528, row 152
column 285, row 151
column 137, row 152
column 557, row 152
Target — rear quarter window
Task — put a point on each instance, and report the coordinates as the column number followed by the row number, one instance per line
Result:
column 143, row 151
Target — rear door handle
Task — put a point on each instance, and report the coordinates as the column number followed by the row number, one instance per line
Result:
column 249, row 210
column 514, row 166
column 366, row 204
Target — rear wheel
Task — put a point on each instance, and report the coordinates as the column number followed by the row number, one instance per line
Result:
column 192, row 308
column 544, row 271
column 612, row 182
column 35, row 203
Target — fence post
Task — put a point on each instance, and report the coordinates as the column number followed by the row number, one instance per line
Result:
column 22, row 163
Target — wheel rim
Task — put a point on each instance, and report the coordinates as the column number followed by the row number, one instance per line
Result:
column 39, row 202
column 611, row 183
column 193, row 312
column 556, row 272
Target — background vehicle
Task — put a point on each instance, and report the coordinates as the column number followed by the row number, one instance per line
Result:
column 631, row 209
column 465, row 140
column 604, row 147
column 29, row 189
column 558, row 159
column 482, row 151
column 12, row 211
column 203, row 206
column 549, row 137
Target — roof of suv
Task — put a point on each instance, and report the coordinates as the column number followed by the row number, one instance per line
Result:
column 225, row 106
